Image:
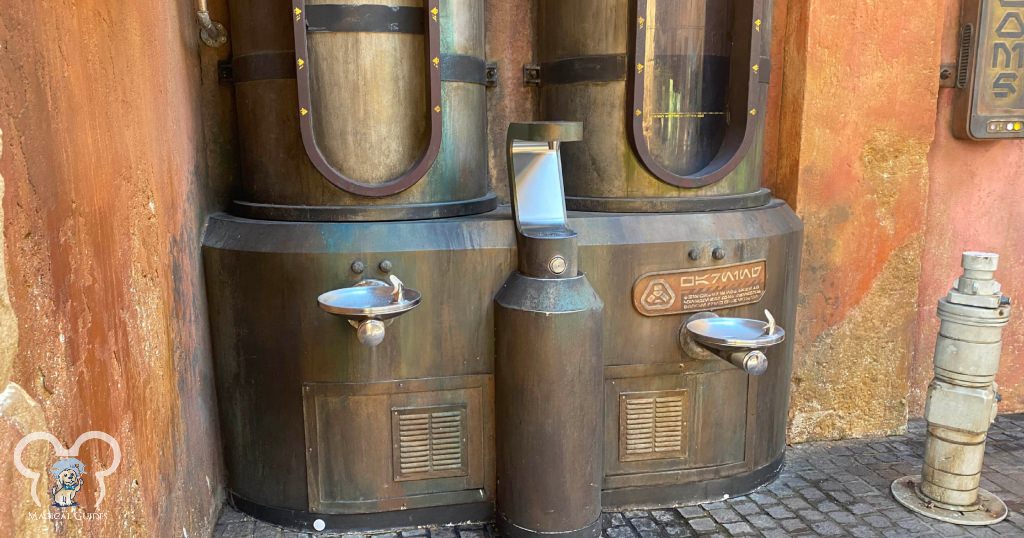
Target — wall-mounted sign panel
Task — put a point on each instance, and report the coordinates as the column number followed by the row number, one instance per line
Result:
column 990, row 78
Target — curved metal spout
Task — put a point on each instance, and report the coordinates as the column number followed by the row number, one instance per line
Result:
column 396, row 296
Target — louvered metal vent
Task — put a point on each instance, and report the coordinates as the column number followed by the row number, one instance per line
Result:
column 963, row 62
column 430, row 442
column 652, row 425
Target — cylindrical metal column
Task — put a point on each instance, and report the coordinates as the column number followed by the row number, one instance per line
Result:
column 961, row 401
column 549, row 374
column 549, row 397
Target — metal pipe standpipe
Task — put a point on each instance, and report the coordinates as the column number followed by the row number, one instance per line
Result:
column 548, row 365
column 961, row 402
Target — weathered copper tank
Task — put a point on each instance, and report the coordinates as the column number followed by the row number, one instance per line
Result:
column 362, row 110
column 673, row 97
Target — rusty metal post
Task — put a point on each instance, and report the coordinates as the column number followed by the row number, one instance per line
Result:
column 961, row 402
column 548, row 364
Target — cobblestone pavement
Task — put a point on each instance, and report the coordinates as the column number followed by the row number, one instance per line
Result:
column 825, row 489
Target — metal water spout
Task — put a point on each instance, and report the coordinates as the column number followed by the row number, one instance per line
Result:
column 549, row 367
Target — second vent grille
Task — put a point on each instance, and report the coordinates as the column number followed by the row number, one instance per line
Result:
column 429, row 442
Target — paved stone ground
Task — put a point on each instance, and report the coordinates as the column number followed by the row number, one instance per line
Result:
column 825, row 489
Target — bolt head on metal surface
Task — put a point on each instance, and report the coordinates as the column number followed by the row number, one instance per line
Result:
column 386, row 266
column 371, row 332
column 557, row 265
column 695, row 253
column 358, row 267
column 755, row 363
column 718, row 253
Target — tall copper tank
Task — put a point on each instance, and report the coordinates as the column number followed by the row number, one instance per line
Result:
column 380, row 115
column 672, row 97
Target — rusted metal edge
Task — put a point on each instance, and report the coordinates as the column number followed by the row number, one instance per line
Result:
column 435, row 515
column 280, row 65
column 759, row 198
column 364, row 18
column 307, row 112
column 364, row 213
column 738, row 139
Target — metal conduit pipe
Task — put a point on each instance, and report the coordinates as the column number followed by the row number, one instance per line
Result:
column 211, row 32
column 961, row 402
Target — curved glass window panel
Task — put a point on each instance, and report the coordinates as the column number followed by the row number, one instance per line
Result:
column 686, row 75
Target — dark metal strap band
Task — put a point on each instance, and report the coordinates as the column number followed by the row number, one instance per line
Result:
column 281, row 65
column 460, row 68
column 264, row 66
column 603, row 68
column 364, row 18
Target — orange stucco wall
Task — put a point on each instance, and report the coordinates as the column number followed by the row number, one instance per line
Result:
column 975, row 202
column 856, row 119
column 102, row 306
column 863, row 150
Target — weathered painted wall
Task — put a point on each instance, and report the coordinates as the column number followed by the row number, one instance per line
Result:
column 856, row 116
column 511, row 31
column 105, row 192
column 974, row 203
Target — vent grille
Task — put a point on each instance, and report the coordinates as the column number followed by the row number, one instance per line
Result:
column 430, row 442
column 652, row 425
column 963, row 62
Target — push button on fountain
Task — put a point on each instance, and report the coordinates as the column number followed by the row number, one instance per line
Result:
column 557, row 265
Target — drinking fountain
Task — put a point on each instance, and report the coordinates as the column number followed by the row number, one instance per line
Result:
column 740, row 342
column 370, row 305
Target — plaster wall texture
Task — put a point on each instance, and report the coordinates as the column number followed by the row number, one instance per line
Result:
column 856, row 109
column 974, row 203
column 104, row 197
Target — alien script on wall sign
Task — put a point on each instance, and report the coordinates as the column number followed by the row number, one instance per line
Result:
column 697, row 290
